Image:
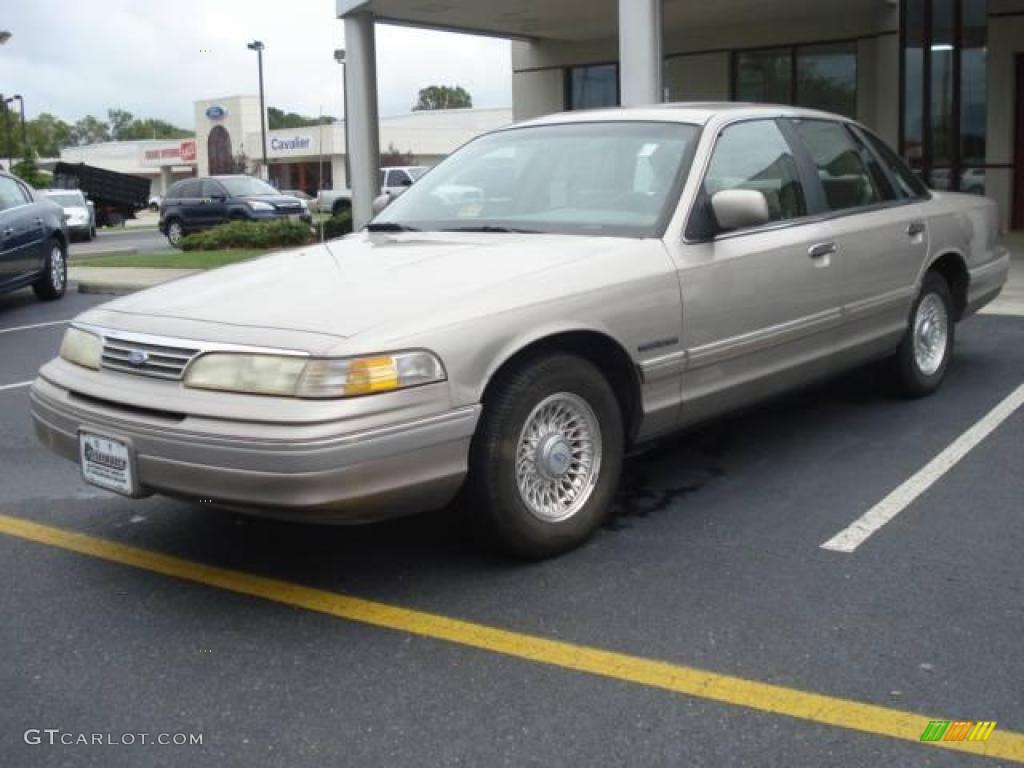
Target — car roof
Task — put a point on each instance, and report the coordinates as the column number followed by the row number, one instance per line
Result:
column 693, row 112
column 60, row 191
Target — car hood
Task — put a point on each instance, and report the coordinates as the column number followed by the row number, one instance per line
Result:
column 338, row 290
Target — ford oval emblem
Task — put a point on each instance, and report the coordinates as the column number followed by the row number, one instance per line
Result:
column 215, row 112
column 138, row 357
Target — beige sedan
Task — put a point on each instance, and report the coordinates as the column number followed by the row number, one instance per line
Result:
column 615, row 276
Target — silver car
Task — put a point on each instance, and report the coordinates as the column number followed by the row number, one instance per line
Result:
column 79, row 213
column 627, row 274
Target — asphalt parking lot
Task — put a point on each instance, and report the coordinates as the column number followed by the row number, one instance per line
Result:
column 143, row 239
column 706, row 626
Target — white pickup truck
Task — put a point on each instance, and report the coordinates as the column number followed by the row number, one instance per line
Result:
column 393, row 182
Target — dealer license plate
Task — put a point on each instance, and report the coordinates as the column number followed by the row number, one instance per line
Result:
column 106, row 463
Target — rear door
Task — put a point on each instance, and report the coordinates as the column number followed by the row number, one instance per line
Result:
column 881, row 239
column 215, row 202
column 21, row 231
column 760, row 305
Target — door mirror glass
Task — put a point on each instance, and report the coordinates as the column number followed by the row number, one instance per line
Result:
column 740, row 209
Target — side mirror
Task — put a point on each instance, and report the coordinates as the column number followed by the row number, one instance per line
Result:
column 740, row 209
column 380, row 202
column 406, row 182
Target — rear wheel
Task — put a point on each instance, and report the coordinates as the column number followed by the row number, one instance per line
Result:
column 924, row 355
column 546, row 459
column 175, row 232
column 53, row 281
column 341, row 207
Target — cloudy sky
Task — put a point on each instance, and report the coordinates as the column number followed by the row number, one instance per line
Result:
column 154, row 59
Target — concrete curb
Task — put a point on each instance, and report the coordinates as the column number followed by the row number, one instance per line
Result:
column 109, row 289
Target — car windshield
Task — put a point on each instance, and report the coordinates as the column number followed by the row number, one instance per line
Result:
column 246, row 186
column 68, row 201
column 609, row 178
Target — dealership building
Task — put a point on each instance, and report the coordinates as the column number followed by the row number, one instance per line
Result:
column 941, row 80
column 228, row 138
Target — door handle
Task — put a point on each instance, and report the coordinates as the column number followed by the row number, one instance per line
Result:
column 915, row 228
column 822, row 249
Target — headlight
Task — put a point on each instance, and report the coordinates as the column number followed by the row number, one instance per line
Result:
column 256, row 374
column 314, row 378
column 259, row 205
column 82, row 348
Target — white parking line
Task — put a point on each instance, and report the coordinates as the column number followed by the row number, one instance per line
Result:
column 848, row 539
column 33, row 325
column 19, row 385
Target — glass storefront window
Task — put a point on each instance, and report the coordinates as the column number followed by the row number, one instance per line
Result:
column 973, row 82
column 913, row 83
column 942, row 52
column 593, row 86
column 945, row 69
column 826, row 78
column 765, row 76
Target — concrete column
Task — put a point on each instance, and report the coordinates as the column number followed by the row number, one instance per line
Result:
column 640, row 61
column 165, row 179
column 363, row 131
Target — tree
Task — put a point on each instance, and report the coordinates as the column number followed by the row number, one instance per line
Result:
column 47, row 135
column 119, row 121
column 278, row 118
column 443, row 97
column 89, row 130
column 394, row 157
column 28, row 171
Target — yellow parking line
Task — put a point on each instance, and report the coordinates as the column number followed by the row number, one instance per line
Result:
column 829, row 710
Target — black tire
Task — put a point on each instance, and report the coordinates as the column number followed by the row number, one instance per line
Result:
column 91, row 234
column 53, row 281
column 912, row 379
column 340, row 207
column 492, row 494
column 175, row 232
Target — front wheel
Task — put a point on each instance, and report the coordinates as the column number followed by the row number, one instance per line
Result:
column 546, row 459
column 54, row 279
column 924, row 354
column 175, row 233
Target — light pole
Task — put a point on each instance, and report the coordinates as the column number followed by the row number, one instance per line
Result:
column 24, row 135
column 7, row 129
column 257, row 46
column 339, row 56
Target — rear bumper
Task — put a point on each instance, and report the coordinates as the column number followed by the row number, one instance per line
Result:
column 344, row 478
column 986, row 282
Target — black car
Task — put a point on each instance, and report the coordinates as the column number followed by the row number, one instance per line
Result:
column 33, row 240
column 195, row 204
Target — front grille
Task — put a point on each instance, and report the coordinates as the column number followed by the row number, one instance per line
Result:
column 146, row 359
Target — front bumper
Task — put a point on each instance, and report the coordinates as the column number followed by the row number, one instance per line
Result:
column 286, row 472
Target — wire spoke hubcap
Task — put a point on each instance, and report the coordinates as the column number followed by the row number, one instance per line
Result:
column 931, row 334
column 558, row 457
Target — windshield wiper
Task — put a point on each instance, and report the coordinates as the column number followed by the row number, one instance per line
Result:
column 389, row 226
column 492, row 228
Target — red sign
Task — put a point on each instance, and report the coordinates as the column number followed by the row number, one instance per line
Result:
column 187, row 151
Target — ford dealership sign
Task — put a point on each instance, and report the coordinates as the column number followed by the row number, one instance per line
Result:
column 216, row 112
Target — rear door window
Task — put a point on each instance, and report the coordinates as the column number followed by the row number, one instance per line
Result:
column 907, row 183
